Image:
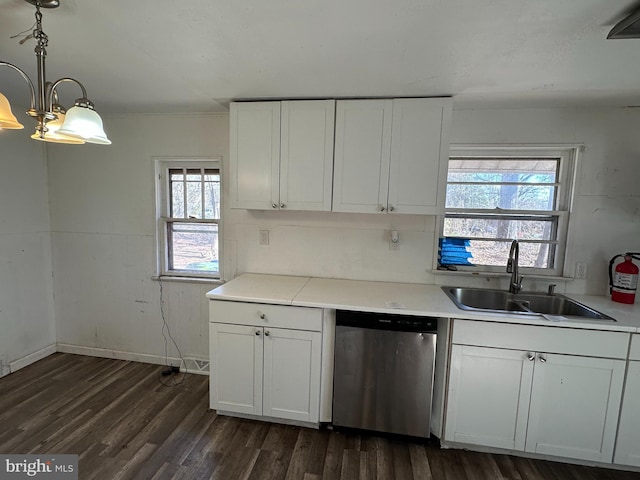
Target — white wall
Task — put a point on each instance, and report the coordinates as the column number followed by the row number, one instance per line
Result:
column 26, row 292
column 103, row 238
column 102, row 214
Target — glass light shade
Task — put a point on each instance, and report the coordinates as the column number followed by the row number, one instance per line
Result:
column 52, row 135
column 84, row 124
column 7, row 118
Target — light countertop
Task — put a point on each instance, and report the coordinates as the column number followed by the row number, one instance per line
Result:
column 386, row 297
column 259, row 288
column 404, row 298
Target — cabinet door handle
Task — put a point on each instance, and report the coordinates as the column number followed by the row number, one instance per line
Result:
column 392, row 208
column 530, row 356
column 262, row 316
column 257, row 333
column 266, row 334
column 274, row 205
column 541, row 359
column 382, row 209
column 282, row 205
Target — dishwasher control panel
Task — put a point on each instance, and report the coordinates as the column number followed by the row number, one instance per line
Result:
column 386, row 321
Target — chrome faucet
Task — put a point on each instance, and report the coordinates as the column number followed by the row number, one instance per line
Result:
column 515, row 284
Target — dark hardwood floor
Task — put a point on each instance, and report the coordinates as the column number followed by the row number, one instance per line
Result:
column 125, row 425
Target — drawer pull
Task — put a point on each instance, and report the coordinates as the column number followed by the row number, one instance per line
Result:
column 262, row 316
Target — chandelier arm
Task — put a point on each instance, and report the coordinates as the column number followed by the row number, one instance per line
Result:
column 53, row 92
column 27, row 79
column 81, row 124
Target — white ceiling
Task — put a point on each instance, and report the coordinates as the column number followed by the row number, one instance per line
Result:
column 195, row 55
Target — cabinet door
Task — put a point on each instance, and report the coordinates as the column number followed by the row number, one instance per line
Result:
column 255, row 154
column 419, row 154
column 628, row 445
column 236, row 353
column 488, row 397
column 362, row 154
column 306, row 156
column 574, row 406
column 292, row 374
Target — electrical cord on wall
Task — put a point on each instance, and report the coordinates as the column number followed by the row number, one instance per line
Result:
column 171, row 369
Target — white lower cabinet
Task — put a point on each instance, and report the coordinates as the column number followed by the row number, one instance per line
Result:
column 265, row 370
column 236, row 361
column 628, row 445
column 574, row 407
column 564, row 405
column 291, row 386
column 488, row 397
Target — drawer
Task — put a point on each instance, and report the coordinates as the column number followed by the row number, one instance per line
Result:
column 263, row 315
column 634, row 354
column 571, row 341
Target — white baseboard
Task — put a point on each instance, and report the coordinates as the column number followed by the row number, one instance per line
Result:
column 32, row 358
column 193, row 365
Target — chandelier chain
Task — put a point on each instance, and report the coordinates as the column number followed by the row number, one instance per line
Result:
column 43, row 40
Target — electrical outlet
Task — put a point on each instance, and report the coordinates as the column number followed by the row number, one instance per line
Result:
column 394, row 240
column 581, row 270
column 264, row 237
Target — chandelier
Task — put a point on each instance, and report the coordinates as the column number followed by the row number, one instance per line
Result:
column 80, row 124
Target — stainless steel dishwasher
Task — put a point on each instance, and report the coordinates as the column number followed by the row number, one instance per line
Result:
column 383, row 373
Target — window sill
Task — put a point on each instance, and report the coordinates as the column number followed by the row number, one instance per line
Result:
column 498, row 274
column 169, row 278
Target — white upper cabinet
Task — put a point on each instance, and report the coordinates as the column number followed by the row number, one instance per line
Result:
column 362, row 155
column 282, row 154
column 419, row 154
column 391, row 155
column 306, row 155
column 255, row 153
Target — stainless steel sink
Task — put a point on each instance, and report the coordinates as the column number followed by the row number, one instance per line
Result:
column 499, row 301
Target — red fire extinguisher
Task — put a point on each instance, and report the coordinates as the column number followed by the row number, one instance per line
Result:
column 623, row 282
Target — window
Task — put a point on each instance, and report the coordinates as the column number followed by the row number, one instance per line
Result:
column 189, row 217
column 496, row 195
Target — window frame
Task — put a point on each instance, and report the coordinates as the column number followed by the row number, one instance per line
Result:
column 162, row 166
column 565, row 183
